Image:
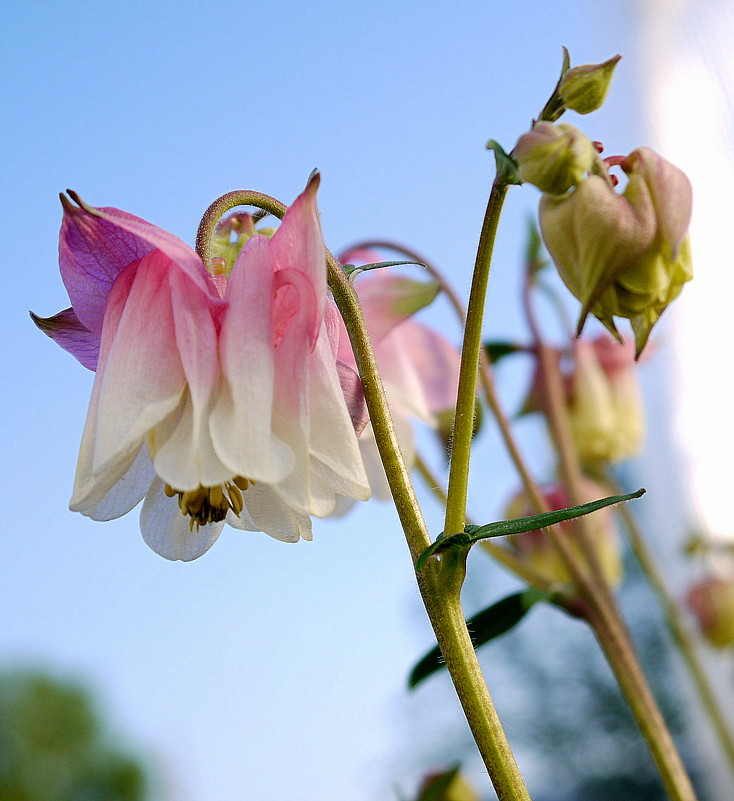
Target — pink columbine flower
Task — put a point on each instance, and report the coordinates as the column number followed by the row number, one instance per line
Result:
column 211, row 402
column 419, row 367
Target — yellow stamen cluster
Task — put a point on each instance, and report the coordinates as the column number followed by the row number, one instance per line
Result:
column 210, row 504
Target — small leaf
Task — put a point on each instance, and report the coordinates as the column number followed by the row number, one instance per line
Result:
column 351, row 269
column 522, row 524
column 486, row 625
column 506, row 165
column 436, row 786
column 498, row 349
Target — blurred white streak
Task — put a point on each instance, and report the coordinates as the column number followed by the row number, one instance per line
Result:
column 687, row 86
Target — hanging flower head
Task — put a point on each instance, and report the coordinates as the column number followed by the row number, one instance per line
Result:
column 213, row 400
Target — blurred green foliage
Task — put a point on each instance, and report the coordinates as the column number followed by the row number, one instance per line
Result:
column 54, row 746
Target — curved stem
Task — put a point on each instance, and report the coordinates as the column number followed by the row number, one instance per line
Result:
column 441, row 598
column 464, row 416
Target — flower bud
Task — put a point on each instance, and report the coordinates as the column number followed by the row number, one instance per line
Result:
column 583, row 89
column 623, row 255
column 538, row 552
column 712, row 602
column 554, row 157
column 604, row 403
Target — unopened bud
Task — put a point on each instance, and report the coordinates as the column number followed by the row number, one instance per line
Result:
column 554, row 157
column 712, row 602
column 583, row 89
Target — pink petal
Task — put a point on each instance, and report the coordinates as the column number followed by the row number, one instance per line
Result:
column 66, row 330
column 96, row 244
column 298, row 244
column 241, row 422
column 266, row 511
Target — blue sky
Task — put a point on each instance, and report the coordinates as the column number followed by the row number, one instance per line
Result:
column 262, row 670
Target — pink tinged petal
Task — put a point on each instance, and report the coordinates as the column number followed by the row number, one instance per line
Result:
column 188, row 458
column 124, row 495
column 167, row 532
column 671, row 192
column 336, row 461
column 241, row 422
column 353, row 393
column 296, row 303
column 436, row 362
column 66, row 330
column 299, row 244
column 402, row 380
column 388, row 300
column 266, row 511
column 141, row 376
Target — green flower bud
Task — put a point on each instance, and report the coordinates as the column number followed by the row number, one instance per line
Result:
column 554, row 157
column 623, row 255
column 583, row 89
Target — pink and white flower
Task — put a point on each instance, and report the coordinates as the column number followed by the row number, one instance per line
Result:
column 211, row 402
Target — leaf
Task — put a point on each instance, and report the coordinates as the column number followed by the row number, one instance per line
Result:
column 498, row 349
column 351, row 269
column 486, row 625
column 518, row 525
column 506, row 165
column 522, row 524
column 436, row 787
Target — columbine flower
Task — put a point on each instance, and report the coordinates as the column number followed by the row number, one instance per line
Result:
column 712, row 601
column 583, row 89
column 624, row 255
column 212, row 405
column 418, row 366
column 536, row 549
column 604, row 404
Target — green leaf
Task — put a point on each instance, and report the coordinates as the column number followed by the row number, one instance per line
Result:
column 486, row 625
column 522, row 524
column 519, row 525
column 506, row 165
column 351, row 269
column 438, row 785
column 498, row 349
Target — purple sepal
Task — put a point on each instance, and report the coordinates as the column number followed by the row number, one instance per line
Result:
column 66, row 330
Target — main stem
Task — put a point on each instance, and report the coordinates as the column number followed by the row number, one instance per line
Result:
column 466, row 398
column 441, row 600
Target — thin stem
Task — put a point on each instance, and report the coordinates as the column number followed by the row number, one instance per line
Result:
column 679, row 632
column 441, row 598
column 464, row 416
column 602, row 611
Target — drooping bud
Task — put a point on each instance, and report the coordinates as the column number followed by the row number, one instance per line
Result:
column 604, row 403
column 554, row 157
column 538, row 552
column 583, row 88
column 623, row 255
column 712, row 602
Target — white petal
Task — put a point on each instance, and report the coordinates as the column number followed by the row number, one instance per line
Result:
column 269, row 513
column 166, row 530
column 126, row 494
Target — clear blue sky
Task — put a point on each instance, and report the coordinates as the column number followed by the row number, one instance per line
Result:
column 262, row 670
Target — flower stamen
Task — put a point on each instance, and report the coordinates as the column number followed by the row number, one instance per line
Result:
column 210, row 504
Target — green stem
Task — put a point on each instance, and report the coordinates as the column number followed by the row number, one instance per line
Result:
column 679, row 633
column 441, row 598
column 464, row 418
